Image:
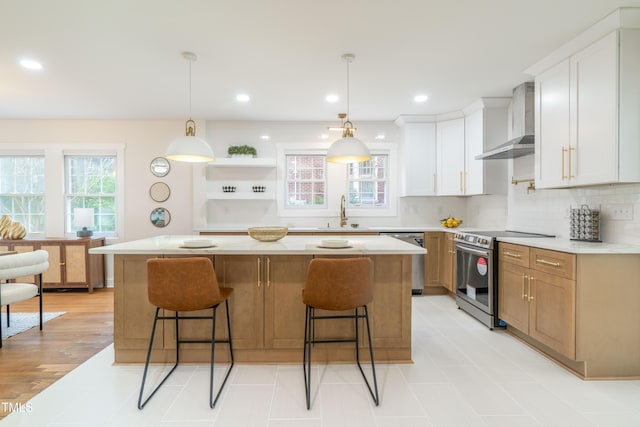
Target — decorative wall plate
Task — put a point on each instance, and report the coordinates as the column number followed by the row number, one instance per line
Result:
column 160, row 166
column 159, row 192
column 160, row 217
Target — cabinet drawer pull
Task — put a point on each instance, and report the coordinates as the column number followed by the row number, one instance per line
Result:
column 511, row 254
column 524, row 292
column 545, row 262
column 259, row 271
column 268, row 272
column 570, row 150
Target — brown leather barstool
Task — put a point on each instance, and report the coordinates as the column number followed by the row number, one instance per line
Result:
column 179, row 285
column 337, row 285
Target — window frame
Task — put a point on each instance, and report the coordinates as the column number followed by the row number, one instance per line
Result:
column 54, row 153
column 374, row 180
column 311, row 181
column 68, row 196
column 337, row 183
column 27, row 225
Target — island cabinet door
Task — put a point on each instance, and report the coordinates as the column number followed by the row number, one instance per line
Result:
column 390, row 312
column 513, row 295
column 243, row 274
column 553, row 312
column 133, row 313
column 284, row 278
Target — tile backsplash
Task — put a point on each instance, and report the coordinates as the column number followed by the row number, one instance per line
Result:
column 547, row 211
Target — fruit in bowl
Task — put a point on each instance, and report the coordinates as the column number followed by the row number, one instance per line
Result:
column 451, row 222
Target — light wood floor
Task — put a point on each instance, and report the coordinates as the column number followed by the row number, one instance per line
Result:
column 32, row 360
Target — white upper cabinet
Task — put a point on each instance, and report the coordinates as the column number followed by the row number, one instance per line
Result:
column 451, row 159
column 552, row 127
column 587, row 114
column 439, row 154
column 594, row 113
column 419, row 158
column 485, row 127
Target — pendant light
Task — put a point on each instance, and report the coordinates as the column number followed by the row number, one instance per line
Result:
column 190, row 148
column 348, row 149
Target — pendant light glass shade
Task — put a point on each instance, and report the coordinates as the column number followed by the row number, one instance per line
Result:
column 348, row 149
column 190, row 148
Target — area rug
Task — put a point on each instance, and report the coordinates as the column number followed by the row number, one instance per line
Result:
column 20, row 322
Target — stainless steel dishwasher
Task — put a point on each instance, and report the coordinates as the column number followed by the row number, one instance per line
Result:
column 417, row 261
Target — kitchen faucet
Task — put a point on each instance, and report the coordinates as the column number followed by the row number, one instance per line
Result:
column 343, row 216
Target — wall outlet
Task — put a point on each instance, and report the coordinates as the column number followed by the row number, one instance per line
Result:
column 621, row 212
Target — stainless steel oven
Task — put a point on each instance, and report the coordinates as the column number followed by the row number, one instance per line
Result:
column 476, row 277
column 477, row 273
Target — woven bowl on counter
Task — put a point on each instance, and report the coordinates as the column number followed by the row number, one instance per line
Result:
column 268, row 234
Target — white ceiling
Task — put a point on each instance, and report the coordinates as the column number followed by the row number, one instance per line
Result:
column 121, row 59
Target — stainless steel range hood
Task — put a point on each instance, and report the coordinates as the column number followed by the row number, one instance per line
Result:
column 522, row 126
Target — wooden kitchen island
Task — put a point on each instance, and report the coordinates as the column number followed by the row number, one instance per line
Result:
column 267, row 314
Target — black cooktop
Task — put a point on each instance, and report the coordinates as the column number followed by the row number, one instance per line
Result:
column 508, row 233
column 486, row 238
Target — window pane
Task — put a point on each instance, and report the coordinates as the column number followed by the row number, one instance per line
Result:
column 305, row 186
column 22, row 190
column 368, row 183
column 91, row 183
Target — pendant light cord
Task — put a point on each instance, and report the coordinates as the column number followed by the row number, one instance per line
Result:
column 190, row 61
column 348, row 61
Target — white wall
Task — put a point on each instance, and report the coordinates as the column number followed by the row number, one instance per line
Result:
column 539, row 211
column 410, row 211
column 143, row 141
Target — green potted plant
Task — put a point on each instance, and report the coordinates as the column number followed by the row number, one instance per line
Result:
column 241, row 151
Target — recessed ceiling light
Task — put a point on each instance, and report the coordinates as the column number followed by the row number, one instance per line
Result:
column 420, row 98
column 31, row 64
column 324, row 136
column 265, row 137
column 243, row 97
column 380, row 136
column 332, row 98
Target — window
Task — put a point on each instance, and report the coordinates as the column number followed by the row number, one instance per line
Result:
column 368, row 183
column 22, row 190
column 305, row 181
column 90, row 182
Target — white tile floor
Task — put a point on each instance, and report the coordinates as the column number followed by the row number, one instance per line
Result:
column 463, row 375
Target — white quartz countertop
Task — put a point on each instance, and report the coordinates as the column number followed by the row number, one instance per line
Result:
column 574, row 247
column 245, row 245
column 346, row 229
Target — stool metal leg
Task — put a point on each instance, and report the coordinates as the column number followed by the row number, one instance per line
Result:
column 142, row 404
column 373, row 366
column 212, row 401
column 306, row 358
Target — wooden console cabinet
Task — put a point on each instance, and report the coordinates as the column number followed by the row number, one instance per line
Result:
column 70, row 264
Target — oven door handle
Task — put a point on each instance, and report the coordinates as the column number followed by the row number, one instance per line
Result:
column 465, row 248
